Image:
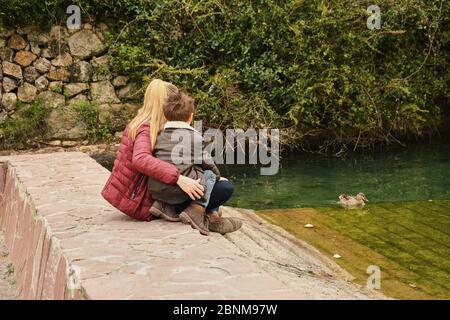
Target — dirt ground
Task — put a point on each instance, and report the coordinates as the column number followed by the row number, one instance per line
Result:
column 8, row 290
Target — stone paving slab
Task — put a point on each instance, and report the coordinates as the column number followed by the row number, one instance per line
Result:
column 67, row 242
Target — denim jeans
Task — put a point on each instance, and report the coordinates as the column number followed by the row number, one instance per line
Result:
column 210, row 181
column 221, row 193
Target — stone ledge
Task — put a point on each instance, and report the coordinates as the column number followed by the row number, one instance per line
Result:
column 67, row 242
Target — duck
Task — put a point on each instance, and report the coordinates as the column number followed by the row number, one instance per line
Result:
column 353, row 201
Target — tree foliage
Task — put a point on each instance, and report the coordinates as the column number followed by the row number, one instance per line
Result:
column 311, row 67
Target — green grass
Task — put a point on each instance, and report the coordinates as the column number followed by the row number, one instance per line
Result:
column 9, row 269
column 409, row 241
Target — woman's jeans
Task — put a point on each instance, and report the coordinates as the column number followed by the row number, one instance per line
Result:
column 221, row 193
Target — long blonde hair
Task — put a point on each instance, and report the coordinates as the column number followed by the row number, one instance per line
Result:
column 152, row 110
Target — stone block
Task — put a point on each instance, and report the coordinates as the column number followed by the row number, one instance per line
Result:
column 85, row 44
column 26, row 92
column 13, row 70
column 17, row 42
column 24, row 58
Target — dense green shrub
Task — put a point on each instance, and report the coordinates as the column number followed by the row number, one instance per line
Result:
column 26, row 124
column 88, row 115
column 311, row 67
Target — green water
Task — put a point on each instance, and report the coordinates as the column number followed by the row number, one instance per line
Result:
column 404, row 229
column 414, row 173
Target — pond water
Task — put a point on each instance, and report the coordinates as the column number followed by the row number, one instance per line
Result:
column 419, row 172
column 404, row 229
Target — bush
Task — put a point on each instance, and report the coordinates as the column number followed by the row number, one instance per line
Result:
column 26, row 125
column 88, row 115
column 310, row 67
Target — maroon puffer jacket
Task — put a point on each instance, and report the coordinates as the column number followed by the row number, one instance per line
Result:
column 126, row 188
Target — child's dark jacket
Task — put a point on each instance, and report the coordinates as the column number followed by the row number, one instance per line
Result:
column 181, row 145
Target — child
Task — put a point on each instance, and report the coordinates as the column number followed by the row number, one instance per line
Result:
column 180, row 144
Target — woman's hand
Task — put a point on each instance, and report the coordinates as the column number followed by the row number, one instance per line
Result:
column 192, row 187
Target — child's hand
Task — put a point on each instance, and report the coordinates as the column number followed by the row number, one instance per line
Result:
column 223, row 179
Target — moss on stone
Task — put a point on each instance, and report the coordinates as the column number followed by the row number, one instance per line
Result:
column 409, row 244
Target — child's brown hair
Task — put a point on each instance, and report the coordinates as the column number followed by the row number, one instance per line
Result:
column 178, row 107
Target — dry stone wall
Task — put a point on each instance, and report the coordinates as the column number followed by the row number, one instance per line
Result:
column 62, row 68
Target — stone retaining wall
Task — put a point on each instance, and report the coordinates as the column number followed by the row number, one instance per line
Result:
column 40, row 267
column 62, row 68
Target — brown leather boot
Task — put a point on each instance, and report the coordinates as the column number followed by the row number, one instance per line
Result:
column 224, row 225
column 219, row 212
column 195, row 216
column 165, row 211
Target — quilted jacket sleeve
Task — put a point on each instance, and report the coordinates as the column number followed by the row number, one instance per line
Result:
column 144, row 161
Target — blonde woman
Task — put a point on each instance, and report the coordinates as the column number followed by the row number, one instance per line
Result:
column 127, row 189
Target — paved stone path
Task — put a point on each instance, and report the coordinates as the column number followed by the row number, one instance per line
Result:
column 81, row 247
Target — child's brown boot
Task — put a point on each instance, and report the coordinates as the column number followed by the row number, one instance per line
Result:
column 224, row 225
column 194, row 214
